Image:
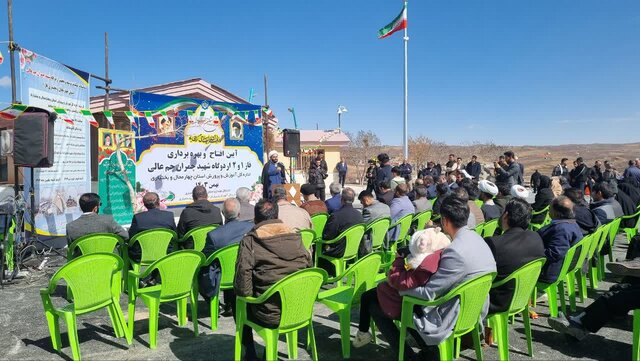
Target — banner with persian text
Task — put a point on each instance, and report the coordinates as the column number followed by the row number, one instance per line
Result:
column 47, row 84
column 218, row 145
column 117, row 177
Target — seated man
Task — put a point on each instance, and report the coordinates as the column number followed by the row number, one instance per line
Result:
column 230, row 233
column 431, row 187
column 339, row 221
column 199, row 213
column 91, row 222
column 443, row 191
column 604, row 205
column 544, row 196
column 372, row 209
column 586, row 219
column 461, row 193
column 386, row 194
column 473, row 192
column 151, row 219
column 311, row 203
column 268, row 253
column 243, row 195
column 503, row 197
column 400, row 206
column 333, row 203
column 421, row 203
column 467, row 257
column 513, row 249
column 290, row 214
column 558, row 237
column 488, row 190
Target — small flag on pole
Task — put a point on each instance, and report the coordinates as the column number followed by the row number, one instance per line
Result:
column 132, row 118
column 256, row 117
column 86, row 113
column 399, row 23
column 1, row 58
column 63, row 114
column 149, row 116
column 13, row 112
column 109, row 115
column 268, row 112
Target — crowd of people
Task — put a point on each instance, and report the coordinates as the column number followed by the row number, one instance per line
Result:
column 439, row 258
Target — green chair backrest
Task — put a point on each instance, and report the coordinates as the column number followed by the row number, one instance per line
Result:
column 478, row 203
column 319, row 220
column 613, row 230
column 361, row 275
column 90, row 278
column 421, row 219
column 574, row 258
column 596, row 236
column 353, row 236
column 543, row 210
column 405, row 224
column 479, row 228
column 525, row 279
column 308, row 236
column 95, row 243
column 177, row 273
column 226, row 257
column 489, row 228
column 377, row 231
column 472, row 294
column 153, row 243
column 433, row 201
column 635, row 217
column 298, row 292
column 199, row 236
column 604, row 235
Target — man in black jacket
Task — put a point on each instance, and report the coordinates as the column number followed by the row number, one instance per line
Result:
column 474, row 168
column 340, row 221
column 508, row 175
column 199, row 213
column 585, row 217
column 516, row 247
column 578, row 175
column 384, row 172
column 151, row 219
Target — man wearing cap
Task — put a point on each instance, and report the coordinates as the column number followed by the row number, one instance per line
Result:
column 488, row 190
column 311, row 203
column 272, row 173
column 384, row 172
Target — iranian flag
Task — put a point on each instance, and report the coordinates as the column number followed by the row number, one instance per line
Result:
column 1, row 58
column 149, row 116
column 86, row 113
column 399, row 23
column 63, row 114
column 13, row 112
column 109, row 115
column 132, row 118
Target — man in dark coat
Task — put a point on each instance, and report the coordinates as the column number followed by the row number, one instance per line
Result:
column 371, row 175
column 513, row 249
column 384, row 172
column 272, row 173
column 578, row 175
column 406, row 170
column 543, row 199
column 92, row 222
column 151, row 219
column 199, row 213
column 586, row 219
column 535, row 181
column 508, row 175
column 339, row 221
column 268, row 253
column 474, row 168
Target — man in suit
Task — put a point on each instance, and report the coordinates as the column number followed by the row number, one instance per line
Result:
column 339, row 221
column 372, row 209
column 400, row 206
column 91, row 222
column 230, row 233
column 467, row 257
column 199, row 213
column 510, row 173
column 151, row 219
column 474, row 168
column 334, row 203
column 513, row 249
column 246, row 209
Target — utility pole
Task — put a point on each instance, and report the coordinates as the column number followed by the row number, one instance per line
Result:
column 12, row 49
column 106, row 70
column 265, row 122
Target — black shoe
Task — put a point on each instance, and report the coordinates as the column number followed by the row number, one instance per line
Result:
column 568, row 327
column 625, row 268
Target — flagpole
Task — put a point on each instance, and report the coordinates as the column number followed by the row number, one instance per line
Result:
column 405, row 143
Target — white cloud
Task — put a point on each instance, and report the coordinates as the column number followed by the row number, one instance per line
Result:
column 5, row 82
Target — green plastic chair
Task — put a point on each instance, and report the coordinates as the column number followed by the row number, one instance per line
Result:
column 352, row 236
column 319, row 220
column 631, row 232
column 524, row 279
column 377, row 231
column 572, row 262
column 613, row 231
column 226, row 258
column 404, row 224
column 178, row 273
column 472, row 295
column 199, row 237
column 308, row 236
column 479, row 229
column 489, row 228
column 298, row 292
column 154, row 244
column 596, row 239
column 93, row 280
column 421, row 219
column 341, row 299
column 478, row 203
column 635, row 356
column 547, row 219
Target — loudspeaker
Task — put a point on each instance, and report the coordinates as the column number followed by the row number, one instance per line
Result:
column 291, row 142
column 33, row 139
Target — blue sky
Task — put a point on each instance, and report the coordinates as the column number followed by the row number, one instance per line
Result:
column 509, row 71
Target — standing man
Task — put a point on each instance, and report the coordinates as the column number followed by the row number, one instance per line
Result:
column 520, row 178
column 561, row 169
column 272, row 173
column 451, row 165
column 579, row 175
column 406, row 170
column 371, row 175
column 474, row 168
column 384, row 172
column 342, row 171
column 508, row 175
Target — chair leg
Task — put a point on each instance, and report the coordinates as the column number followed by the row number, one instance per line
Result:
column 446, row 349
column 457, row 343
column 636, row 335
column 194, row 311
column 527, row 330
column 54, row 330
column 571, row 290
column 403, row 336
column 72, row 331
column 593, row 277
column 181, row 306
column 214, row 304
column 534, row 296
column 476, row 343
column 237, row 354
column 154, row 310
column 373, row 331
column 270, row 344
column 131, row 315
column 552, row 296
column 292, row 344
column 113, row 315
column 345, row 332
column 312, row 341
column 501, row 333
column 582, row 285
column 123, row 323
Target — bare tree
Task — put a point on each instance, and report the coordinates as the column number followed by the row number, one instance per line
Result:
column 363, row 146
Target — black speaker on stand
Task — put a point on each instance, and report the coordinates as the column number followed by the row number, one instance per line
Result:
column 291, row 147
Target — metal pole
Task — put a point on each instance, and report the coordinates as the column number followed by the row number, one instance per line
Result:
column 106, row 70
column 12, row 49
column 339, row 122
column 405, row 138
column 265, row 121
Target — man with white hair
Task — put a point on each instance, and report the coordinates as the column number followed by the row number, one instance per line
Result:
column 246, row 209
column 334, row 203
column 272, row 173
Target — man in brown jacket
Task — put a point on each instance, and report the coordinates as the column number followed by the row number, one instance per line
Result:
column 268, row 253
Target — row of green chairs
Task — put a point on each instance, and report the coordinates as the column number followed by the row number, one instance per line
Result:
column 546, row 221
column 487, row 229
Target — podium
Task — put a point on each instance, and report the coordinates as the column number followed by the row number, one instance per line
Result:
column 293, row 192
